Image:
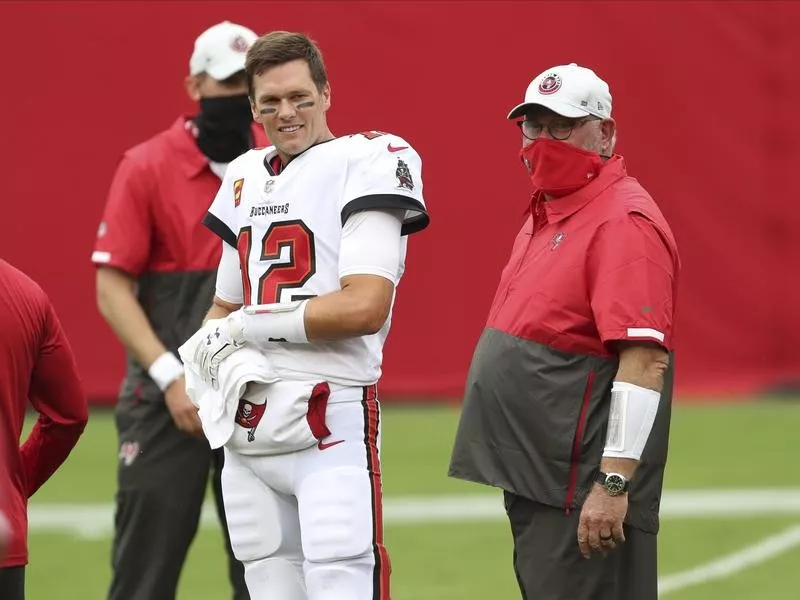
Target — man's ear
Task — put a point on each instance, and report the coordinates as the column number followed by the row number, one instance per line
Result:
column 326, row 96
column 608, row 129
column 192, row 83
column 254, row 111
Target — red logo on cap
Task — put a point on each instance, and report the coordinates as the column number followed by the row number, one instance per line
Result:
column 239, row 44
column 550, row 84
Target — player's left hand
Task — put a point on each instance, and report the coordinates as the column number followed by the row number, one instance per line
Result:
column 222, row 338
column 600, row 523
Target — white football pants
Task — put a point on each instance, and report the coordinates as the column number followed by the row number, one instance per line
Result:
column 309, row 525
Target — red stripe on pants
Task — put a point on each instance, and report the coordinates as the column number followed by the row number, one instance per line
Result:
column 371, row 424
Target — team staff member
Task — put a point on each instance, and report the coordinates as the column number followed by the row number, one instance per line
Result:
column 567, row 402
column 36, row 363
column 155, row 281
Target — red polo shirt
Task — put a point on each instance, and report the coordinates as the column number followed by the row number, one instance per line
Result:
column 593, row 267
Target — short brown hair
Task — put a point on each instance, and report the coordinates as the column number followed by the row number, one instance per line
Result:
column 280, row 47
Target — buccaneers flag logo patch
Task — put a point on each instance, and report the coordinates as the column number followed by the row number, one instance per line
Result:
column 237, row 191
column 248, row 415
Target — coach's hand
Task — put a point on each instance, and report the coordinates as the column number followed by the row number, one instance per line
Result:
column 600, row 524
column 183, row 412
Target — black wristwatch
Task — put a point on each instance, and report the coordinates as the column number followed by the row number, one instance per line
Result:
column 614, row 483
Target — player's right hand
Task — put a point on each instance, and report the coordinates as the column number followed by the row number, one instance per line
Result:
column 223, row 337
column 183, row 412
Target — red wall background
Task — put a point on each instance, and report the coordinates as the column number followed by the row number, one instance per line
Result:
column 705, row 96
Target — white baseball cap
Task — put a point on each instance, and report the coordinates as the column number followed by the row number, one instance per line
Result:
column 220, row 50
column 568, row 90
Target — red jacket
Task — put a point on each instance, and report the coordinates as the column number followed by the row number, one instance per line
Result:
column 37, row 366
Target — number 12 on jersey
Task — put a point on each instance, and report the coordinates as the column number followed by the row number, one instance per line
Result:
column 293, row 272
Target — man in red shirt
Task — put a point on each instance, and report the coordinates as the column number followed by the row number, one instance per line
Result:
column 156, row 269
column 37, row 366
column 567, row 403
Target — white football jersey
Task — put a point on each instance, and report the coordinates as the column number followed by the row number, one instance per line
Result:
column 287, row 227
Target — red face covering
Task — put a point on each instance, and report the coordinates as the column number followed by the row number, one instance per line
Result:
column 558, row 168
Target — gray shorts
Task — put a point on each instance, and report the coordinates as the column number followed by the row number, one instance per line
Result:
column 549, row 565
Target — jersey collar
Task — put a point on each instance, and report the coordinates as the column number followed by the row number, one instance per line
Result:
column 275, row 167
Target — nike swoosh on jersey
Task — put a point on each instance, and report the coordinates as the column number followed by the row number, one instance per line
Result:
column 391, row 148
column 324, row 446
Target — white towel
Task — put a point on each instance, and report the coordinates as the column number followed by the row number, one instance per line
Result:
column 246, row 372
column 281, row 417
column 254, row 412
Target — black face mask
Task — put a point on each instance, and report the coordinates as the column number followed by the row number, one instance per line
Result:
column 223, row 127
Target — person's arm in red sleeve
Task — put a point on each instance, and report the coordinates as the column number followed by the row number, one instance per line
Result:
column 632, row 271
column 633, row 268
column 58, row 397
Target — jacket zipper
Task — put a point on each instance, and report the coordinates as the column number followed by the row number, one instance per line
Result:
column 576, row 444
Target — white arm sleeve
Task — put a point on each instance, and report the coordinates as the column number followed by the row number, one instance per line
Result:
column 372, row 244
column 229, row 276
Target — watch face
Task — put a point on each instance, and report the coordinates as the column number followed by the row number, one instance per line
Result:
column 615, row 484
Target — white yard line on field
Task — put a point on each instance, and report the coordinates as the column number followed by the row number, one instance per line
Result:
column 96, row 520
column 731, row 564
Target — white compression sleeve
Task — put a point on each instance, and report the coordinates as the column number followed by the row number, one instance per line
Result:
column 630, row 420
column 372, row 244
column 229, row 276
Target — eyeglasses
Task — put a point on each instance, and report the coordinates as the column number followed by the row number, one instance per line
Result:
column 559, row 129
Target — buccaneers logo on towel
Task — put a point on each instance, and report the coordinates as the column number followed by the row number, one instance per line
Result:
column 248, row 415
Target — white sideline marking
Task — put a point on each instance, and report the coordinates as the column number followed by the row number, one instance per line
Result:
column 95, row 520
column 731, row 564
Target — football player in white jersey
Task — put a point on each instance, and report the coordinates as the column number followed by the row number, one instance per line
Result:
column 314, row 233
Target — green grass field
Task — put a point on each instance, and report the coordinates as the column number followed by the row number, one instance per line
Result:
column 468, row 556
